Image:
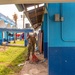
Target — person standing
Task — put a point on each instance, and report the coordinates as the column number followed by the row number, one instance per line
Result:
column 31, row 45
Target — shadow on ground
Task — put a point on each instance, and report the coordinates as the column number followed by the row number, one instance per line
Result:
column 13, row 68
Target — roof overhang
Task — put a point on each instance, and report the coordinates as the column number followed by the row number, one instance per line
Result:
column 35, row 15
column 32, row 1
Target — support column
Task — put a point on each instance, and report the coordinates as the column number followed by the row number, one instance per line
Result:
column 25, row 39
column 44, row 29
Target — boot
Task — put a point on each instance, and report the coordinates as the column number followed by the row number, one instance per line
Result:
column 27, row 59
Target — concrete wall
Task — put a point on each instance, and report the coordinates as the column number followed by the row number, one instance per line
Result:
column 61, row 39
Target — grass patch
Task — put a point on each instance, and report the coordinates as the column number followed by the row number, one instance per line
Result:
column 10, row 59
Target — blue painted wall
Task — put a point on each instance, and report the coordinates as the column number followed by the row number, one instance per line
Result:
column 61, row 39
column 61, row 33
column 68, row 30
column 44, row 29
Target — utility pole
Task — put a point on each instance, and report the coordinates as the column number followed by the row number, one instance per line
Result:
column 23, row 20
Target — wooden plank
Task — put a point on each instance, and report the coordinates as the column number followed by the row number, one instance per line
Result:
column 36, row 14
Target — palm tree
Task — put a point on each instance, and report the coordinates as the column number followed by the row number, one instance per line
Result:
column 15, row 19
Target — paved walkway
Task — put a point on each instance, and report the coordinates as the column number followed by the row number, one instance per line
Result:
column 40, row 68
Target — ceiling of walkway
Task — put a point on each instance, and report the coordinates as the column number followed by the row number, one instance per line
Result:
column 34, row 13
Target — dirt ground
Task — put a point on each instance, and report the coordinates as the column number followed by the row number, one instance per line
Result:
column 40, row 68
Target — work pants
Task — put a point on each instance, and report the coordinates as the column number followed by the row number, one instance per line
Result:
column 31, row 47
